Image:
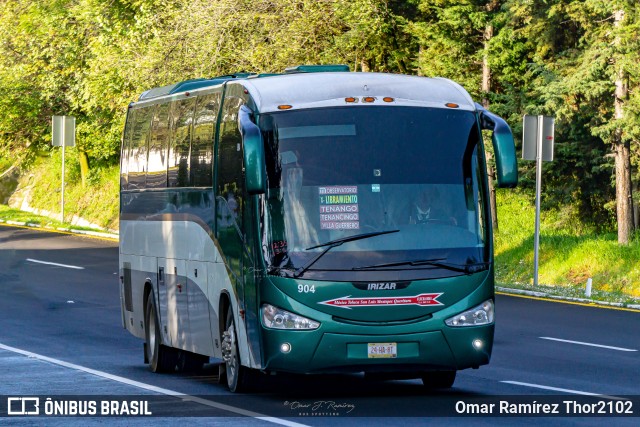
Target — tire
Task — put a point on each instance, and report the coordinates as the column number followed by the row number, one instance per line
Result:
column 438, row 379
column 239, row 378
column 191, row 362
column 161, row 358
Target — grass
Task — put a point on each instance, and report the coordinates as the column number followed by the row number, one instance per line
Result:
column 97, row 201
column 9, row 215
column 569, row 253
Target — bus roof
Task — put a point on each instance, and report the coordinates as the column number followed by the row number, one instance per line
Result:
column 312, row 90
column 324, row 87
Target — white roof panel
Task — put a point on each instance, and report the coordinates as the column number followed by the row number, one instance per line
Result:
column 307, row 90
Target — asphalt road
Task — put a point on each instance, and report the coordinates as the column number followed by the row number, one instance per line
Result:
column 60, row 334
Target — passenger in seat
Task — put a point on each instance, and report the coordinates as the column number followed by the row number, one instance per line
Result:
column 429, row 207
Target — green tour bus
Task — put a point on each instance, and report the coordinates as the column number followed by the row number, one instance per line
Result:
column 314, row 221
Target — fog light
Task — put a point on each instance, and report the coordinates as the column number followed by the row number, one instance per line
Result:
column 477, row 344
column 285, row 347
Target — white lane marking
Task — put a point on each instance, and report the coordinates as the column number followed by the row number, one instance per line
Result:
column 589, row 344
column 75, row 267
column 563, row 390
column 153, row 388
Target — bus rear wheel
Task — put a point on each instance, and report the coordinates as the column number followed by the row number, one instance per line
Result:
column 438, row 379
column 239, row 378
column 161, row 358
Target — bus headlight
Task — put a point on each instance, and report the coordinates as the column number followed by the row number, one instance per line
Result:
column 277, row 318
column 480, row 315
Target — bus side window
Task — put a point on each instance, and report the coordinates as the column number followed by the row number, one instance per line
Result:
column 137, row 163
column 124, row 152
column 158, row 144
column 182, row 119
column 203, row 136
column 230, row 164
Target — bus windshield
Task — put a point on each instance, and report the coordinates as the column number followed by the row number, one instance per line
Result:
column 405, row 182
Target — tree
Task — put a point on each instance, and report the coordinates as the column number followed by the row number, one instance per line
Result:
column 455, row 37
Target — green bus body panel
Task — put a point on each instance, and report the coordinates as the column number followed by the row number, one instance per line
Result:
column 331, row 68
column 381, row 305
column 340, row 345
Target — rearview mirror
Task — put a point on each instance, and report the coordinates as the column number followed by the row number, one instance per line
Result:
column 503, row 146
column 254, row 162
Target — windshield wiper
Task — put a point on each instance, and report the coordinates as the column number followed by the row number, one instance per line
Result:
column 334, row 243
column 435, row 262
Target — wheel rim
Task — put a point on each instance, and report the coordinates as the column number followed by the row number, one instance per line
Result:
column 232, row 355
column 152, row 333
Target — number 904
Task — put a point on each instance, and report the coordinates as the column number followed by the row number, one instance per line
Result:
column 307, row 289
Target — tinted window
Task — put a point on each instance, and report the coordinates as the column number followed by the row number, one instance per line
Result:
column 230, row 160
column 203, row 137
column 158, row 144
column 126, row 147
column 138, row 153
column 182, row 118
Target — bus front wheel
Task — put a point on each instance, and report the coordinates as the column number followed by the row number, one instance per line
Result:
column 438, row 379
column 238, row 376
column 161, row 358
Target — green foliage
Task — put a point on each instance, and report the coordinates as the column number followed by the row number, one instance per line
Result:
column 91, row 58
column 570, row 252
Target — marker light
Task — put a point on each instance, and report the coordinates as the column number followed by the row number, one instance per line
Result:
column 277, row 318
column 451, row 105
column 284, row 107
column 368, row 99
column 388, row 99
column 480, row 315
column 351, row 99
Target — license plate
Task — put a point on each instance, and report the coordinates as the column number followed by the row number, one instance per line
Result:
column 384, row 350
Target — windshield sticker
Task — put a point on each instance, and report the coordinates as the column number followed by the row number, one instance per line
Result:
column 339, row 208
column 348, row 302
column 279, row 247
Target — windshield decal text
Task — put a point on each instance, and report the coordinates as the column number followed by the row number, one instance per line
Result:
column 339, row 207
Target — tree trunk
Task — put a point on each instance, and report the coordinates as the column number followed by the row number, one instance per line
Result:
column 622, row 152
column 84, row 166
column 486, row 87
column 636, row 206
column 486, row 70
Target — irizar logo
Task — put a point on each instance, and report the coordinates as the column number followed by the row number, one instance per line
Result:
column 381, row 286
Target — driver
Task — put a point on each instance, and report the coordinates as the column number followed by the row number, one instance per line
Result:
column 428, row 207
